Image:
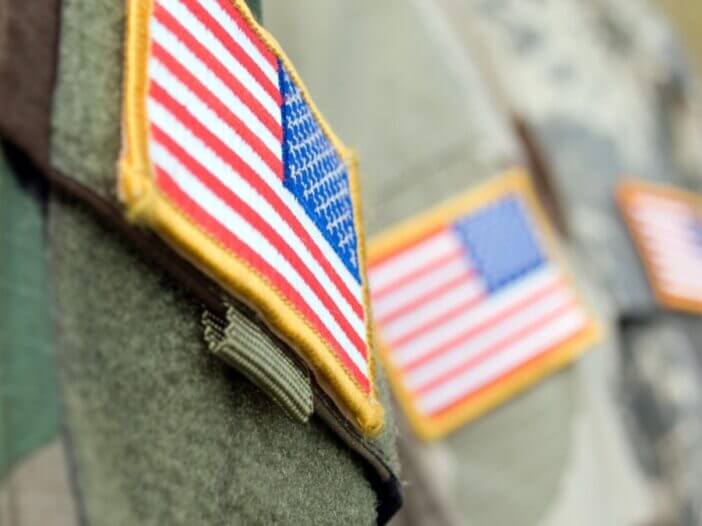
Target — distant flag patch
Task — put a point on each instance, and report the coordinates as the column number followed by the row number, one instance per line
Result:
column 666, row 225
column 228, row 159
column 471, row 306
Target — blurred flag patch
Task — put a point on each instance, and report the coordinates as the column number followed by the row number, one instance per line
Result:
column 471, row 306
column 666, row 225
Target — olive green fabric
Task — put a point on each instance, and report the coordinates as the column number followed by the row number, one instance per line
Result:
column 163, row 432
column 256, row 8
column 28, row 408
column 87, row 109
column 251, row 349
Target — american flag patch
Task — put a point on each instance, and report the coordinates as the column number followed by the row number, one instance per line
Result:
column 471, row 306
column 666, row 225
column 227, row 157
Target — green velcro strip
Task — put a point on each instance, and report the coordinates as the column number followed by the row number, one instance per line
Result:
column 246, row 347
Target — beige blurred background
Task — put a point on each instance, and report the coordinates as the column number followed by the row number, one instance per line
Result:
column 686, row 16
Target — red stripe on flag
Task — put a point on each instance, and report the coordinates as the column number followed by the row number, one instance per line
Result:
column 228, row 6
column 412, row 276
column 242, row 250
column 496, row 348
column 237, row 51
column 216, row 105
column 378, row 261
column 219, row 70
column 471, row 333
column 260, row 224
column 230, row 157
column 424, row 298
column 435, row 321
column 503, row 379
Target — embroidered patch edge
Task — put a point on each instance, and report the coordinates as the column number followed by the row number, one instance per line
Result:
column 146, row 205
column 625, row 193
column 392, row 240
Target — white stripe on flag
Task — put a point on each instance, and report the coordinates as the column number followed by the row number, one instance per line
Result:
column 505, row 329
column 241, row 38
column 506, row 360
column 473, row 317
column 665, row 227
column 659, row 205
column 411, row 260
column 433, row 309
column 683, row 269
column 671, row 231
column 181, row 53
column 672, row 247
column 683, row 289
column 415, row 289
column 202, row 34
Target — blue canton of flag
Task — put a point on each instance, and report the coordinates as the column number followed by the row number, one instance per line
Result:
column 697, row 232
column 500, row 242
column 316, row 175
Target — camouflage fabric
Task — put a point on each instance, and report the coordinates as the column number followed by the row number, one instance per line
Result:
column 428, row 121
column 609, row 93
column 34, row 484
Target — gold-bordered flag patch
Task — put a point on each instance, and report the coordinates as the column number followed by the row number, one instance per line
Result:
column 472, row 305
column 227, row 158
column 666, row 226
